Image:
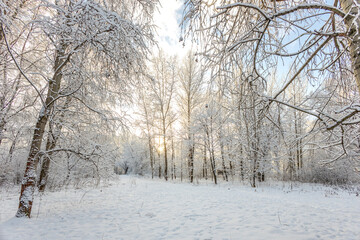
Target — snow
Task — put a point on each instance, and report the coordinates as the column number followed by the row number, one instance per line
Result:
column 138, row 208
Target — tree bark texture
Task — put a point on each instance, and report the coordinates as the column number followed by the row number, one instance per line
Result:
column 353, row 25
column 29, row 180
column 52, row 139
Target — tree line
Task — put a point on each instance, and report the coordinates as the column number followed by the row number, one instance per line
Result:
column 270, row 90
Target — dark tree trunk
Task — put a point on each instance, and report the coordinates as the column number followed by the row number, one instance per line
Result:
column 354, row 35
column 191, row 160
column 205, row 164
column 2, row 128
column 173, row 172
column 151, row 153
column 231, row 168
column 225, row 174
column 213, row 166
column 52, row 139
column 29, row 180
column 165, row 160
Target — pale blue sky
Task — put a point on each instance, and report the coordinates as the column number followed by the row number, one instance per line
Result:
column 168, row 18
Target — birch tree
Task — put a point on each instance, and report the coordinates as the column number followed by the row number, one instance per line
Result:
column 147, row 115
column 163, row 91
column 72, row 27
column 191, row 80
column 311, row 42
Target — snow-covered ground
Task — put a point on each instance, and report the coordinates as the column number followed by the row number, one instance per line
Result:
column 135, row 208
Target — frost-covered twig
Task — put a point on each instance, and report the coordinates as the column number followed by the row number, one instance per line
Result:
column 19, row 68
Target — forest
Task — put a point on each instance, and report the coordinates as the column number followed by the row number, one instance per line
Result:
column 263, row 91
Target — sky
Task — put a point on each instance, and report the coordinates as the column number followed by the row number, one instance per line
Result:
column 168, row 19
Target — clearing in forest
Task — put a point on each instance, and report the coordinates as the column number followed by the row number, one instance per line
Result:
column 138, row 208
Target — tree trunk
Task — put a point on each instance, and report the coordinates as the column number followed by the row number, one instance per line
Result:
column 255, row 145
column 28, row 182
column 191, row 159
column 212, row 150
column 353, row 25
column 231, row 168
column 190, row 142
column 165, row 160
column 150, row 144
column 212, row 156
column 181, row 169
column 2, row 128
column 12, row 147
column 213, row 166
column 151, row 153
column 205, row 164
column 173, row 176
column 52, row 139
column 50, row 144
column 225, row 174
column 241, row 163
column 254, row 170
column 165, row 149
column 159, row 169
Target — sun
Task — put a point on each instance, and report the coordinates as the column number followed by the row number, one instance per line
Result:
column 159, row 144
column 160, row 149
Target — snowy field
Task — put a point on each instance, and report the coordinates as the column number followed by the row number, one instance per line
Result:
column 135, row 208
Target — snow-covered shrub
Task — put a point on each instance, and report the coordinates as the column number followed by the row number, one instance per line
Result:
column 12, row 170
column 134, row 158
column 86, row 159
column 338, row 175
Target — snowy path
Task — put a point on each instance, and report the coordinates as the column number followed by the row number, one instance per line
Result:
column 134, row 208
